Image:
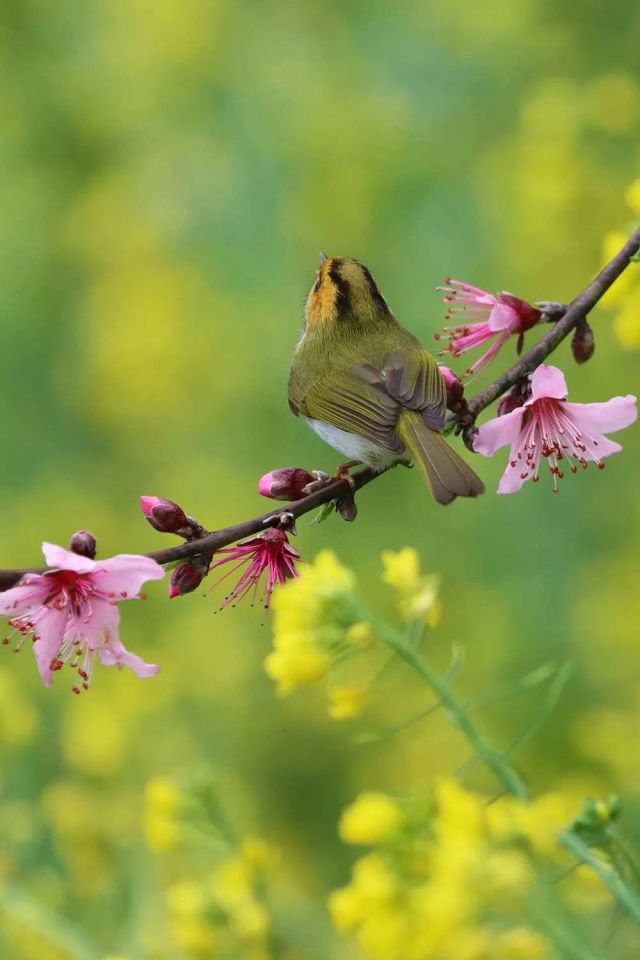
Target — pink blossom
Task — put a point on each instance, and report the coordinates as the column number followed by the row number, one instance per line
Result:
column 71, row 611
column 546, row 425
column 270, row 552
column 495, row 318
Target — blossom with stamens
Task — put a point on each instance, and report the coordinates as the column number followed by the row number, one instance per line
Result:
column 269, row 552
column 71, row 611
column 547, row 425
column 493, row 318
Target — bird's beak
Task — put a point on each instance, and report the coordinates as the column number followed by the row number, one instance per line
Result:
column 323, row 259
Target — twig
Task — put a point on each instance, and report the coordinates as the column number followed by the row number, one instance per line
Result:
column 577, row 310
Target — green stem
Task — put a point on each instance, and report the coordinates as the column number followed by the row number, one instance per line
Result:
column 625, row 896
column 490, row 756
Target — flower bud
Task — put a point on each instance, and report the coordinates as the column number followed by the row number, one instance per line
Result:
column 583, row 343
column 347, row 509
column 528, row 315
column 165, row 515
column 187, row 576
column 455, row 387
column 84, row 544
column 286, row 483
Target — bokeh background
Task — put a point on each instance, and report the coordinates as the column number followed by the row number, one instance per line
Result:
column 168, row 173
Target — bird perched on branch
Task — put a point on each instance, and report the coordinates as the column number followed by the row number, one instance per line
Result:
column 368, row 387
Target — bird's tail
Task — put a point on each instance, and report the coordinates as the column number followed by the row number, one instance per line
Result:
column 447, row 474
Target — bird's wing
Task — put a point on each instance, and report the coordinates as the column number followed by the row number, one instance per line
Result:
column 367, row 401
column 412, row 379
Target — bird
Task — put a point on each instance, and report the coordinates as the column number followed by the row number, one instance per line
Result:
column 368, row 387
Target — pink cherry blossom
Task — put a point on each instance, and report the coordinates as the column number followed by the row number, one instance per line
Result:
column 496, row 318
column 270, row 552
column 71, row 611
column 547, row 425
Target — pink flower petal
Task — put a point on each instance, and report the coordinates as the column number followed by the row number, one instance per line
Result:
column 51, row 630
column 26, row 597
column 614, row 414
column 66, row 560
column 502, row 317
column 123, row 575
column 499, row 432
column 117, row 655
column 101, row 627
column 511, row 480
column 549, row 382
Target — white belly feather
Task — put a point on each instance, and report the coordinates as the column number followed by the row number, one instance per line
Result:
column 353, row 446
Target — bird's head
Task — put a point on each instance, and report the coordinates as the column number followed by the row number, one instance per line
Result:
column 344, row 292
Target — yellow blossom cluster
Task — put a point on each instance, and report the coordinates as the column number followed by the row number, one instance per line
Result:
column 223, row 913
column 319, row 622
column 452, row 876
column 417, row 594
column 316, row 622
column 624, row 296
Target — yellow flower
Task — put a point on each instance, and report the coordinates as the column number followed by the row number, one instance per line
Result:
column 401, row 568
column 372, row 818
column 360, row 635
column 632, row 196
column 417, row 594
column 346, row 702
column 383, row 934
column 312, row 616
column 347, row 907
column 162, row 805
column 259, row 854
column 296, row 666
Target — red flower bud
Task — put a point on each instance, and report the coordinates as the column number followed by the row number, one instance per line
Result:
column 84, row 544
column 165, row 515
column 286, row 483
column 583, row 343
column 187, row 577
column 455, row 387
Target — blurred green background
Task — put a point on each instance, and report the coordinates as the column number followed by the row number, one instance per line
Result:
column 169, row 172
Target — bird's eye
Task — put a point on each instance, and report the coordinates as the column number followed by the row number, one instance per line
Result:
column 316, row 285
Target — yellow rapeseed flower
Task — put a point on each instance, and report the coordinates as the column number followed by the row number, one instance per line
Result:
column 417, row 595
column 296, row 666
column 372, row 818
column 162, row 807
column 360, row 635
column 312, row 617
column 346, row 702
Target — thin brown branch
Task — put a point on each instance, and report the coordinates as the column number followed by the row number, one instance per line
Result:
column 221, row 538
column 576, row 311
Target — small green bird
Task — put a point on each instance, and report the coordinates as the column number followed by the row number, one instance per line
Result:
column 368, row 387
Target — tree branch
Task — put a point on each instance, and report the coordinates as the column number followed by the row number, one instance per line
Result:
column 576, row 311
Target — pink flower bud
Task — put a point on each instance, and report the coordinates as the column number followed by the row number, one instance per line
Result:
column 583, row 343
column 455, row 387
column 187, row 577
column 286, row 483
column 165, row 515
column 84, row 544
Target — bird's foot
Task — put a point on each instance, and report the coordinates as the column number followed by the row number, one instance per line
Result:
column 342, row 472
